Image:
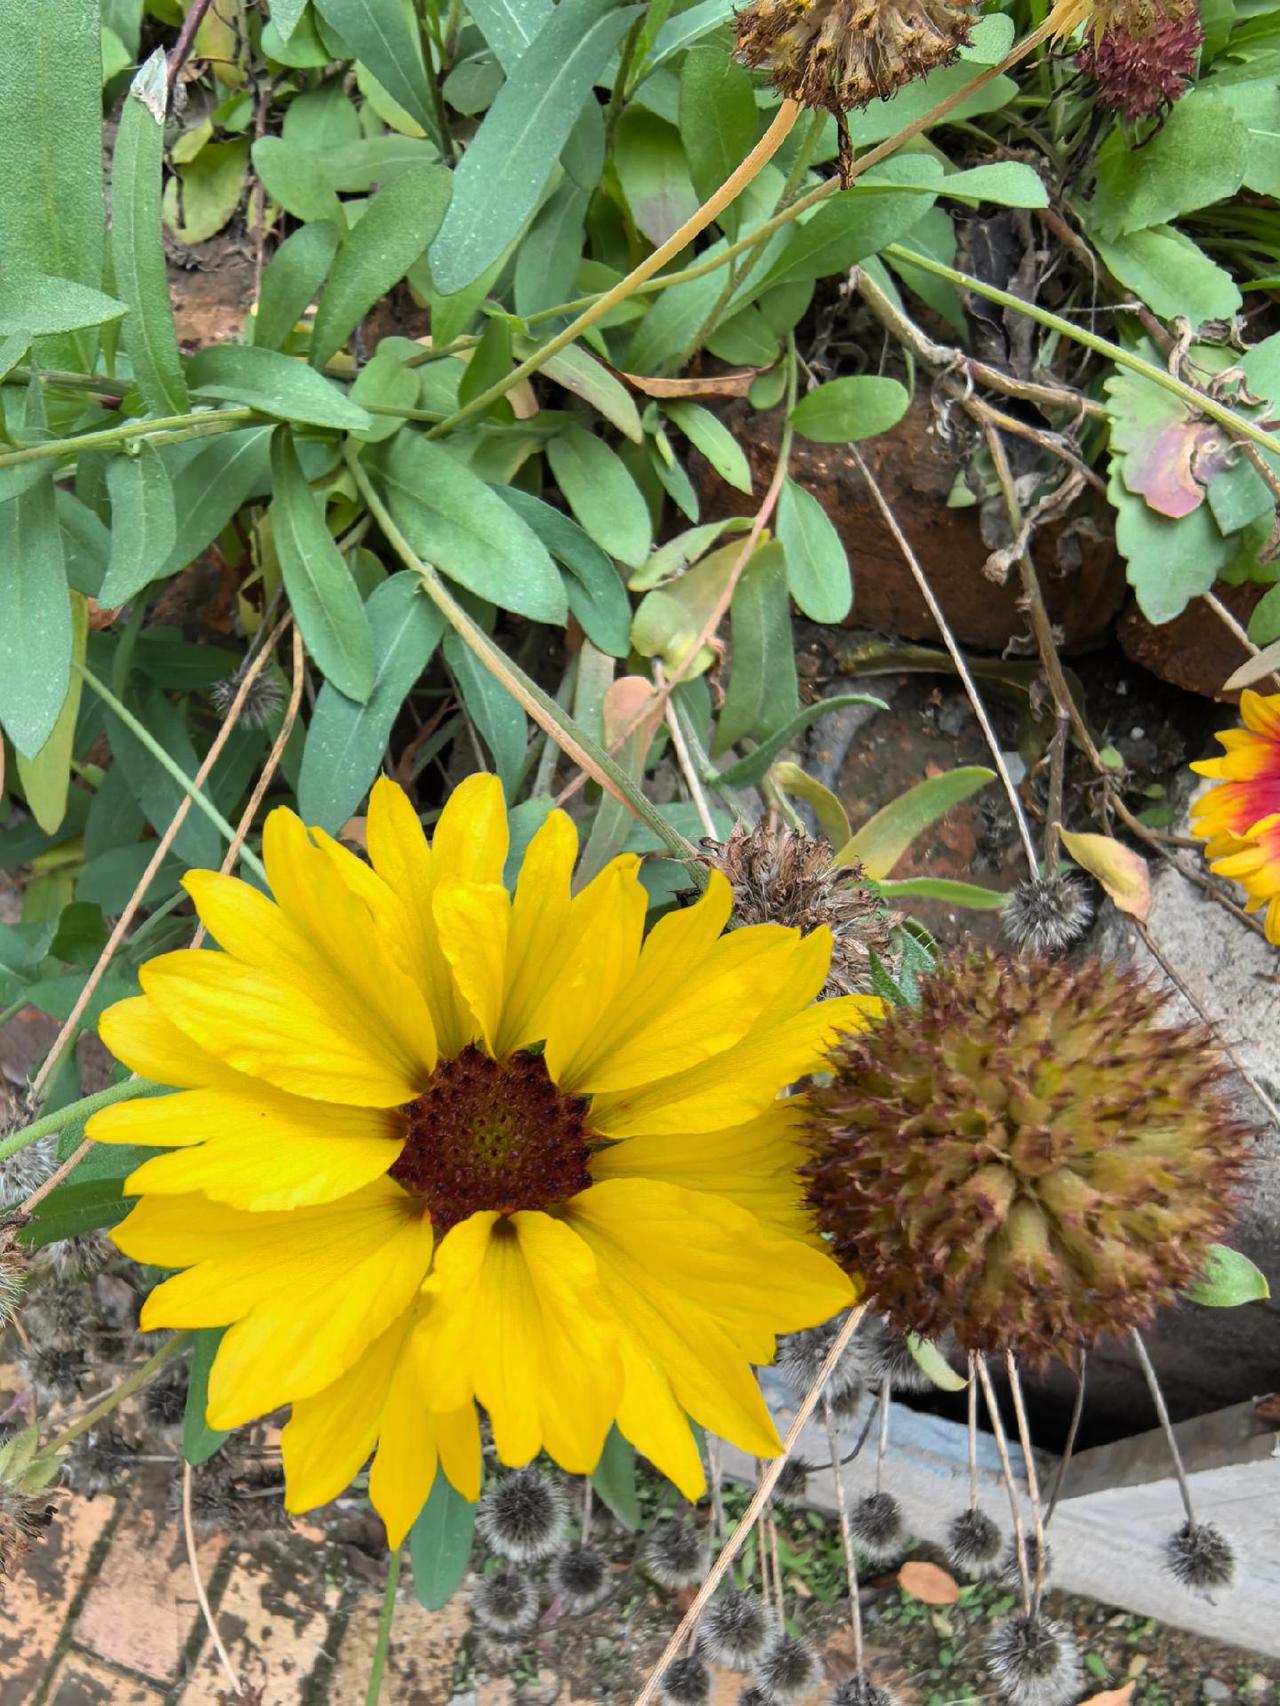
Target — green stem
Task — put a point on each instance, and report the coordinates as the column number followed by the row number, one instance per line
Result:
column 168, row 764
column 544, row 710
column 383, row 1643
column 127, row 1387
column 1160, row 376
column 122, row 658
column 220, row 420
column 74, row 1111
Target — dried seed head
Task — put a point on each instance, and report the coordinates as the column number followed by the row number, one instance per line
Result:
column 27, row 1168
column 887, row 1353
column 1031, row 1551
column 164, row 1399
column 861, row 1691
column 840, row 54
column 793, row 1478
column 523, row 1517
column 779, row 876
column 751, row 1695
column 801, row 1356
column 74, row 1260
column 973, row 1542
column 579, row 1577
column 495, row 1654
column 265, row 698
column 675, row 1555
column 1134, row 18
column 735, row 1627
column 1035, row 1662
column 788, row 1668
column 96, row 1463
column 1142, row 76
column 23, row 1519
column 55, row 1367
column 1032, row 1137
column 876, row 1524
column 1047, row 914
column 13, row 1281
column 506, row 1601
column 686, row 1682
column 1200, row 1557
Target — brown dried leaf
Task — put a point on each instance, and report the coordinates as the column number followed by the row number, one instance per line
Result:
column 928, row 1583
column 1121, row 871
column 712, row 385
column 1111, row 1697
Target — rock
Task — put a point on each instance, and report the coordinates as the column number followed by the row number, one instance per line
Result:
column 1080, row 572
column 1195, row 651
column 1213, row 1688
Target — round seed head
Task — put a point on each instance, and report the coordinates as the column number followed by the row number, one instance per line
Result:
column 522, row 1517
column 29, row 1167
column 862, row 1691
column 735, row 1627
column 876, row 1524
column 973, row 1542
column 753, row 1696
column 13, row 1282
column 55, row 1367
column 1031, row 1550
column 579, row 1577
column 787, row 1669
column 96, row 1463
column 1047, row 914
column 264, row 699
column 506, row 1601
column 686, row 1682
column 793, row 1478
column 74, row 1260
column 888, row 1356
column 1035, row 1662
column 1200, row 1557
column 675, row 1555
column 23, row 1519
column 164, row 1400
column 801, row 1356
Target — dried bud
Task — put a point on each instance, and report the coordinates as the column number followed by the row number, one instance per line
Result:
column 1200, row 1556
column 523, row 1517
column 1035, row 1662
column 801, row 1356
column 262, row 702
column 735, row 1627
column 23, row 1519
column 876, row 1524
column 1047, row 914
column 675, row 1555
column 1134, row 18
column 13, row 1281
column 686, row 1682
column 1139, row 76
column 973, row 1542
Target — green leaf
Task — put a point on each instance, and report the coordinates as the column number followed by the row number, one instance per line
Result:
column 509, row 26
column 321, row 591
column 948, row 892
column 144, row 524
column 762, row 695
column 1168, row 562
column 499, row 720
column 345, row 740
column 453, row 520
column 440, row 1544
column 747, row 771
column 653, row 174
column 74, row 1209
column 210, row 487
column 383, row 34
column 587, row 378
column 46, row 777
column 597, row 598
column 286, row 15
column 883, row 119
column 854, row 224
column 392, row 234
column 501, row 177
column 709, row 434
column 40, row 304
column 930, row 1361
column 490, row 361
column 602, row 494
column 297, row 181
column 274, row 383
column 718, row 122
column 52, row 204
column 884, row 838
column 1198, row 155
column 614, row 1478
column 546, row 265
column 1010, row 183
column 817, row 567
column 387, row 383
column 35, row 617
column 199, row 1440
column 156, row 791
column 291, row 281
column 675, row 555
column 1171, row 274
column 844, row 410
column 137, row 252
column 1229, row 1280
column 687, row 27
column 207, row 191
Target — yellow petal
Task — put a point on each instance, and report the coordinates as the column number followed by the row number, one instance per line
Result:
column 461, row 1451
column 404, row 1465
column 472, row 921
column 137, row 1032
column 1261, row 713
column 328, row 1438
column 655, row 1423
column 540, row 938
column 471, row 838
column 606, row 924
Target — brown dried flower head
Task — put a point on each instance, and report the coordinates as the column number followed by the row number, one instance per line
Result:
column 23, row 1519
column 840, row 54
column 779, row 876
column 1135, row 19
column 1140, row 76
column 1030, row 1157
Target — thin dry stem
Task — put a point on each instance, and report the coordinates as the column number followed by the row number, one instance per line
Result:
column 846, row 1538
column 1068, row 1450
column 1162, row 1412
column 883, row 1444
column 687, row 769
column 1006, row 1471
column 202, row 1598
column 1219, row 608
column 973, row 1435
column 1029, row 1464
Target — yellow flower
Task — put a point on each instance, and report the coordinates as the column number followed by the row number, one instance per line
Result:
column 1239, row 820
column 434, row 1144
column 1136, row 19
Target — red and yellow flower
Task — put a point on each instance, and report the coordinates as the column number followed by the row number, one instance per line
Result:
column 1239, row 819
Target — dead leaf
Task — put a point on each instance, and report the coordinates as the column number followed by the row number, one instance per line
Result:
column 1111, row 1697
column 1265, row 663
column 1121, row 871
column 712, row 385
column 928, row 1583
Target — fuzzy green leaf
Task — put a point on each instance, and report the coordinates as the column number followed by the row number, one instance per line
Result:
column 35, row 617
column 274, row 383
column 817, row 567
column 440, row 1544
column 144, row 524
column 884, row 838
column 1230, row 1279
column 383, row 34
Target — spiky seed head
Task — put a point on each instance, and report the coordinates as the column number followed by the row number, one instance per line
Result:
column 1035, row 1662
column 579, row 1577
column 495, row 1654
column 96, row 1463
column 164, row 1399
column 1047, row 914
column 55, row 1367
column 229, row 1498
column 1038, row 1142
column 793, row 1478
column 735, row 1627
column 74, row 1260
column 788, row 1668
column 686, row 1682
column 973, row 1542
column 506, row 1601
column 862, row 1691
column 264, row 700
column 1140, row 76
column 13, row 1281
column 886, row 1353
column 751, row 1695
column 675, row 1554
column 876, row 1524
column 23, row 1519
column 522, row 1517
column 801, row 1356
column 1031, row 1551
column 780, row 876
column 1200, row 1557
column 26, row 1168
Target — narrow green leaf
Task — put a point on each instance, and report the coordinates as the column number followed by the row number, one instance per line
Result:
column 137, row 253
column 42, row 304
column 210, row 487
column 709, row 434
column 274, row 383
column 156, row 790
column 35, row 617
column 930, row 1360
column 844, row 410
column 199, row 1440
column 387, row 383
column 46, row 777
column 653, row 174
column 1010, row 183
column 674, row 556
column 144, row 524
column 383, row 34
column 321, row 591
column 581, row 373
column 546, row 264
column 602, row 494
column 718, row 122
column 74, row 1209
column 499, row 720
column 501, row 177
column 884, row 838
column 597, row 598
column 948, row 892
column 490, row 361
column 510, row 26
column 345, row 741
column 291, row 281
column 614, row 1478
column 392, row 234
column 833, row 820
column 1230, row 1279
column 440, row 1544
column 747, row 771
column 817, row 567
column 763, row 692
column 854, row 224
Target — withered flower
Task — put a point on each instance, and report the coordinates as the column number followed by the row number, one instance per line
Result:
column 1139, row 76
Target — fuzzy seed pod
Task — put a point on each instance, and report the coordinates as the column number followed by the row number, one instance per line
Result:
column 734, row 1628
column 751, row 1695
column 779, row 876
column 523, row 1517
column 96, row 1463
column 973, row 1543
column 1035, row 1662
column 27, row 1168
column 788, row 1668
column 164, row 1399
column 265, row 698
column 1200, row 1557
column 876, row 1524
column 686, row 1682
column 793, row 1478
column 886, row 1353
column 506, row 1601
column 579, row 1577
column 13, row 1282
column 1030, row 1157
column 493, row 1654
column 675, row 1555
column 861, row 1691
column 1047, row 914
column 801, row 1356
column 1031, row 1550
column 23, row 1519
column 55, row 1368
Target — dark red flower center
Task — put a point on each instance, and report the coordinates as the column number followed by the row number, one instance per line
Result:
column 492, row 1134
